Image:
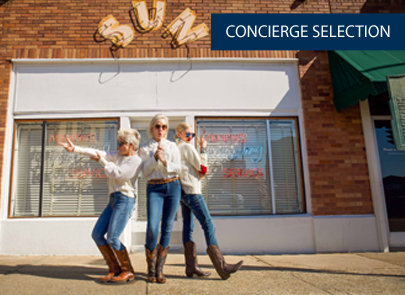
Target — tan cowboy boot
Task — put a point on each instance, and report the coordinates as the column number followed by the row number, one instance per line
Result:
column 127, row 273
column 113, row 265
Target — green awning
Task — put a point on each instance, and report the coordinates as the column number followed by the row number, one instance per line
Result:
column 358, row 74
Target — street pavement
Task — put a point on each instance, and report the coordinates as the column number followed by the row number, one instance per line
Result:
column 345, row 273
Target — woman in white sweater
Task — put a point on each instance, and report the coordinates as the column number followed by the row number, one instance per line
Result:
column 122, row 168
column 194, row 168
column 161, row 168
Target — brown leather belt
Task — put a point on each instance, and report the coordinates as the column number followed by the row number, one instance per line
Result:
column 162, row 180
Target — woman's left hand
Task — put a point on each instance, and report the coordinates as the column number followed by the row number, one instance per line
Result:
column 202, row 142
column 96, row 158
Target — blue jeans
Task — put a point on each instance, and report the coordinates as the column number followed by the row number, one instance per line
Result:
column 113, row 221
column 194, row 205
column 162, row 202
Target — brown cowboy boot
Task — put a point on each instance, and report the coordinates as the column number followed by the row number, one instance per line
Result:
column 161, row 259
column 127, row 273
column 113, row 265
column 223, row 269
column 151, row 260
column 190, row 255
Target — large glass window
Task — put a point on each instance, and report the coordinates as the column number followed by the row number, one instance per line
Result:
column 392, row 163
column 254, row 166
column 47, row 180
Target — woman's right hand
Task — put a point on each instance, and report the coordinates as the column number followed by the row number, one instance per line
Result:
column 69, row 146
column 202, row 142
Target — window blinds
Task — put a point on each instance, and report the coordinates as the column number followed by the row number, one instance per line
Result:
column 73, row 185
column 243, row 174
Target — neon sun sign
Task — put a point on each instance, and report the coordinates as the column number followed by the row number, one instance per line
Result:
column 180, row 28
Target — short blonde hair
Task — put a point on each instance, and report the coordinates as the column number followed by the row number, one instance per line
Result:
column 153, row 123
column 131, row 136
column 180, row 128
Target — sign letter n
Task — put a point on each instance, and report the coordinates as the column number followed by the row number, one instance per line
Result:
column 181, row 30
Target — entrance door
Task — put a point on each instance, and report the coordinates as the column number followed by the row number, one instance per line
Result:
column 392, row 164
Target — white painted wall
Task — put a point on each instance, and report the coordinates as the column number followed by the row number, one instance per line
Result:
column 138, row 89
column 155, row 85
column 346, row 233
column 47, row 236
column 261, row 234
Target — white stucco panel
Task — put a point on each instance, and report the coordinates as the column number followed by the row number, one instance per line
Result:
column 138, row 85
column 83, row 87
column 248, row 86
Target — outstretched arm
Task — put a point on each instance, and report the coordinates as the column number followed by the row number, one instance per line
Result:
column 88, row 152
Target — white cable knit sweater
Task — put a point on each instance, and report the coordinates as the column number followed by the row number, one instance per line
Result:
column 122, row 171
column 191, row 162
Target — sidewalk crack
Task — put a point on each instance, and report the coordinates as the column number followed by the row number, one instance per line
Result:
column 295, row 276
column 359, row 254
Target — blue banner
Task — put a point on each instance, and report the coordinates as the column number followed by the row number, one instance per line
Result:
column 308, row 31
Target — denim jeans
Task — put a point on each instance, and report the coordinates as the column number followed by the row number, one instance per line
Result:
column 194, row 205
column 162, row 202
column 113, row 221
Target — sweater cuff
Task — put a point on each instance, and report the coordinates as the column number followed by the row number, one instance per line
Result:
column 78, row 150
column 103, row 162
column 203, row 170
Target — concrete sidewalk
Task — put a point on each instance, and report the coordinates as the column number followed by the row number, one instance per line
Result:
column 360, row 273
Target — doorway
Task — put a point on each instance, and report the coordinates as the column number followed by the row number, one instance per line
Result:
column 392, row 168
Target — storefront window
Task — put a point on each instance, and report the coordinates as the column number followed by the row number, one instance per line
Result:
column 47, row 180
column 254, row 167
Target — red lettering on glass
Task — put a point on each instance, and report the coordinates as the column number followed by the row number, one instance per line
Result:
column 226, row 137
column 87, row 173
column 61, row 137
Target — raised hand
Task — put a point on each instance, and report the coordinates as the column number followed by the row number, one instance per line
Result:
column 160, row 153
column 202, row 142
column 69, row 146
column 96, row 158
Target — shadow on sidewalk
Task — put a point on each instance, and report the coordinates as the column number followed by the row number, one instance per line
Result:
column 208, row 267
column 55, row 271
column 65, row 272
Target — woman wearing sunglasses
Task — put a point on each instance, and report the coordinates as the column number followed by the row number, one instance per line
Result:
column 194, row 168
column 122, row 168
column 161, row 168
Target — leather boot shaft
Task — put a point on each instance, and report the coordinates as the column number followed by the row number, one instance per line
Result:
column 127, row 273
column 112, row 262
column 190, row 256
column 160, row 262
column 223, row 269
column 151, row 261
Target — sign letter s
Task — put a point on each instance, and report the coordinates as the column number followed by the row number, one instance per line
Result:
column 120, row 35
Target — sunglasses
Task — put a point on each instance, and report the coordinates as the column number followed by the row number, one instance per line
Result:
column 164, row 127
column 120, row 144
column 188, row 134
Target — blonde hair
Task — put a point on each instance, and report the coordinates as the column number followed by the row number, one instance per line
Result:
column 131, row 136
column 153, row 122
column 180, row 128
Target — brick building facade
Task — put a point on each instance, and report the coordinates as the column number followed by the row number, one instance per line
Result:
column 337, row 164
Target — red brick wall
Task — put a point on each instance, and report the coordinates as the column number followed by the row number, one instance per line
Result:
column 65, row 29
column 337, row 160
